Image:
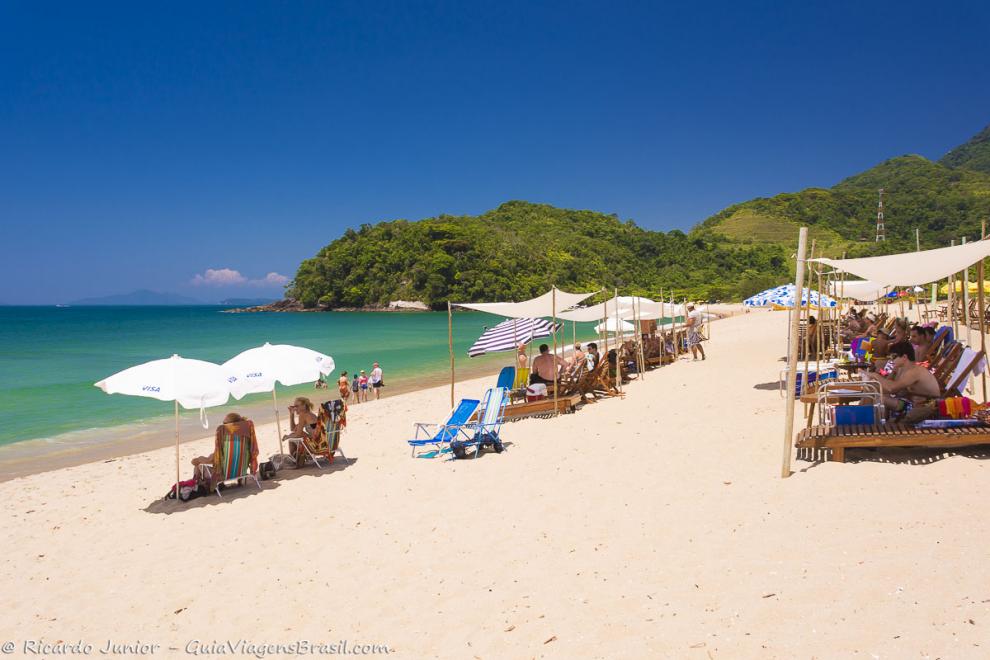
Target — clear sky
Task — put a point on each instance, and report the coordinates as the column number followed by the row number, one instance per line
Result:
column 145, row 144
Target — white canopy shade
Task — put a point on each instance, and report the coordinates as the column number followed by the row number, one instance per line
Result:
column 258, row 369
column 911, row 268
column 596, row 312
column 193, row 383
column 610, row 326
column 539, row 307
column 859, row 290
column 627, row 309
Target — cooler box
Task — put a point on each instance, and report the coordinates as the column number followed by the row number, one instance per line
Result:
column 536, row 392
column 847, row 415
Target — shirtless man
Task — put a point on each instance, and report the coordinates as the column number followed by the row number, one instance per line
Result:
column 911, row 383
column 922, row 343
column 544, row 366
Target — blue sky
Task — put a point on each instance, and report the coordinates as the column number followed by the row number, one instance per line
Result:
column 144, row 144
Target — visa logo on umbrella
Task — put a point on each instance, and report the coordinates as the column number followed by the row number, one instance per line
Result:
column 151, row 388
column 256, row 374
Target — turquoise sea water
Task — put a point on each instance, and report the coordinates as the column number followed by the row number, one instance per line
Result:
column 50, row 357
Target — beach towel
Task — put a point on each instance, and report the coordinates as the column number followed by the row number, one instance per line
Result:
column 956, row 407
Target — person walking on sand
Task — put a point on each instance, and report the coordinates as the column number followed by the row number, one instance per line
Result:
column 344, row 387
column 694, row 322
column 377, row 382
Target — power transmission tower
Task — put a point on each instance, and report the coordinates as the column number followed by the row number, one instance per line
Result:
column 881, row 235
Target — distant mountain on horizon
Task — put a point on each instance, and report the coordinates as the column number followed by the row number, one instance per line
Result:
column 139, row 297
column 247, row 302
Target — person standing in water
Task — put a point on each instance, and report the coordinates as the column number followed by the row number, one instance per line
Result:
column 377, row 381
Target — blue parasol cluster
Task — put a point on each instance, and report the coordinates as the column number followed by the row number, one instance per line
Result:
column 784, row 296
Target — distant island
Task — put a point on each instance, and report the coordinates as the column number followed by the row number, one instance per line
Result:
column 139, row 297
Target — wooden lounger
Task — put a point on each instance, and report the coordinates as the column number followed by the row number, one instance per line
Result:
column 543, row 407
column 838, row 438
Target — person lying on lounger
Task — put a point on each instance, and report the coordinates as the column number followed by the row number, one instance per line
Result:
column 910, row 384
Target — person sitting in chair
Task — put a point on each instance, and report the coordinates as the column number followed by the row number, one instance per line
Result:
column 205, row 468
column 302, row 421
column 545, row 366
column 910, row 384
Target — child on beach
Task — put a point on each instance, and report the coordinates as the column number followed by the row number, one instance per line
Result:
column 356, row 388
column 363, row 382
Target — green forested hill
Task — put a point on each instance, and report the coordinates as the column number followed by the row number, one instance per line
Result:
column 520, row 249
column 944, row 203
column 974, row 155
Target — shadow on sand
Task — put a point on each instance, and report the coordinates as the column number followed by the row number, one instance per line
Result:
column 248, row 489
column 892, row 455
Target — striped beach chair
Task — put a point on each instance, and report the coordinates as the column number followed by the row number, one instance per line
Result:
column 236, row 447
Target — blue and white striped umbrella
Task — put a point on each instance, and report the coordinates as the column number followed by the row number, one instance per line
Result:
column 508, row 334
column 784, row 296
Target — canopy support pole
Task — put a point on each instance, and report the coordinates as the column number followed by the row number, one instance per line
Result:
column 450, row 349
column 639, row 337
column 619, row 337
column 792, row 349
column 965, row 313
column 178, row 478
column 952, row 301
column 983, row 311
column 553, row 329
column 798, row 295
column 673, row 327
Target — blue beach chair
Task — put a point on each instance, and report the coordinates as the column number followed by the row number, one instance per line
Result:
column 506, row 377
column 438, row 435
column 486, row 429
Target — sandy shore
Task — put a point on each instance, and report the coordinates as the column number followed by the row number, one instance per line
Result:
column 650, row 526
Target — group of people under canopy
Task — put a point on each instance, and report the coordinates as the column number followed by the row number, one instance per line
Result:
column 898, row 354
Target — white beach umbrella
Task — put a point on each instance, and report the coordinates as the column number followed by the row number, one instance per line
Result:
column 610, row 326
column 189, row 383
column 258, row 369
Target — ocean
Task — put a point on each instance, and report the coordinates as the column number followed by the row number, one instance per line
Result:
column 50, row 357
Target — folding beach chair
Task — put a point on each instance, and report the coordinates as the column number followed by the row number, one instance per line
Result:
column 235, row 445
column 438, row 435
column 325, row 442
column 506, row 377
column 485, row 432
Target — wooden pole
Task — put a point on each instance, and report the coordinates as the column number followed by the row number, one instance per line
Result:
column 917, row 240
column 639, row 337
column 450, row 348
column 965, row 310
column 792, row 351
column 952, row 301
column 553, row 328
column 982, row 310
column 178, row 478
column 673, row 327
column 618, row 342
column 806, row 312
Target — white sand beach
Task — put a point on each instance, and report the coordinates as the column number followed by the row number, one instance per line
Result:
column 653, row 525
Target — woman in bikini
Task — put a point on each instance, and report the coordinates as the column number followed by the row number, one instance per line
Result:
column 303, row 423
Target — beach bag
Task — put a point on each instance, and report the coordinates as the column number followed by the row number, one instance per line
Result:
column 188, row 490
column 266, row 471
